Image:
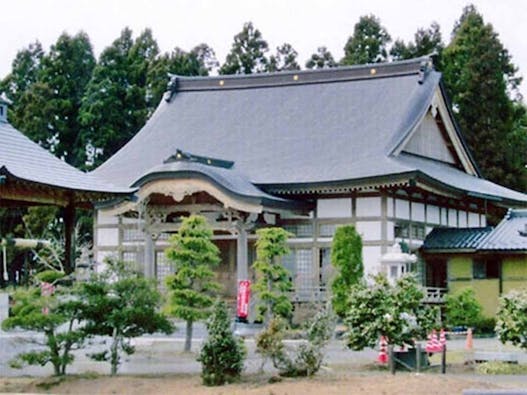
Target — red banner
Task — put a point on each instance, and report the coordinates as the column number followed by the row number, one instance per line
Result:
column 244, row 294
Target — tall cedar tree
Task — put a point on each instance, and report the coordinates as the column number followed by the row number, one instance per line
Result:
column 479, row 76
column 368, row 44
column 426, row 42
column 115, row 105
column 247, row 55
column 272, row 279
column 51, row 105
column 322, row 59
column 25, row 69
column 285, row 59
column 192, row 287
column 121, row 304
column 346, row 258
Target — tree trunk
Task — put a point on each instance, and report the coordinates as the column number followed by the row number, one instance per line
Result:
column 188, row 337
column 114, row 354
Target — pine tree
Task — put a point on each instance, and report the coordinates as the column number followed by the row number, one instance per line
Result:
column 192, row 287
column 426, row 42
column 322, row 59
column 346, row 258
column 368, row 44
column 285, row 59
column 479, row 75
column 247, row 55
column 272, row 278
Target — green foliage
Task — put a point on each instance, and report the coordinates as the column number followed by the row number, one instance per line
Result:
column 511, row 317
column 122, row 304
column 480, row 77
column 501, row 368
column 462, row 309
column 57, row 316
column 307, row 358
column 322, row 59
column 393, row 311
column 221, row 355
column 272, row 279
column 368, row 44
column 247, row 55
column 346, row 258
column 285, row 59
column 426, row 42
column 192, row 287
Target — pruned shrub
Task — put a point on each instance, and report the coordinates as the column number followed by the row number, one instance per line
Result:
column 463, row 309
column 222, row 354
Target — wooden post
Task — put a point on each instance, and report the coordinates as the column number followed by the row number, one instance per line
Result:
column 418, row 357
column 443, row 359
column 391, row 360
column 69, row 238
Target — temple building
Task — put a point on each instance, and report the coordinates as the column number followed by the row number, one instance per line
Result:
column 372, row 145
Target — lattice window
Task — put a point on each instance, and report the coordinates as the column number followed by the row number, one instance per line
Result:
column 133, row 234
column 325, row 267
column 163, row 269
column 130, row 256
column 327, row 230
column 300, row 230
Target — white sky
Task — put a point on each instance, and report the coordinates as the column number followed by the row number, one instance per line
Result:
column 305, row 24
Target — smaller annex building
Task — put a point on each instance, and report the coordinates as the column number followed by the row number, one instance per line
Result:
column 491, row 261
column 372, row 145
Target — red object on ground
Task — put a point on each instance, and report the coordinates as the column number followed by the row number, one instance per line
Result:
column 433, row 344
column 469, row 344
column 244, row 295
column 442, row 338
column 383, row 348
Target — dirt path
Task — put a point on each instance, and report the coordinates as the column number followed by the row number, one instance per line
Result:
column 330, row 383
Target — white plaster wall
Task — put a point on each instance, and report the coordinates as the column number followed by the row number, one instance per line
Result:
column 133, row 221
column 389, row 202
column 334, row 208
column 270, row 218
column 390, row 231
column 107, row 237
column 371, row 257
column 432, row 215
column 462, row 218
column 368, row 207
column 482, row 220
column 104, row 219
column 369, row 230
column 428, row 230
column 418, row 212
column 402, row 209
column 452, row 218
column 473, row 220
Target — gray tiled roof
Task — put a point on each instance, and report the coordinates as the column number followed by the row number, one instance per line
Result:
column 510, row 235
column 25, row 160
column 294, row 128
column 455, row 238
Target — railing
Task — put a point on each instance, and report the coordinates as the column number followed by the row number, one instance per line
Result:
column 435, row 295
column 308, row 294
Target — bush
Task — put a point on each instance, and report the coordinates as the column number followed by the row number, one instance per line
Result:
column 486, row 326
column 511, row 325
column 221, row 355
column 463, row 309
column 307, row 359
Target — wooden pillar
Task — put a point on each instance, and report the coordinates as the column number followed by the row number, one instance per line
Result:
column 242, row 264
column 69, row 238
column 149, row 258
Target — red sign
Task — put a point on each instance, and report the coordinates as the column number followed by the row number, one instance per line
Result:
column 244, row 294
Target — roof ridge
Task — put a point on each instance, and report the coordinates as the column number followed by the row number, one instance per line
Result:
column 418, row 66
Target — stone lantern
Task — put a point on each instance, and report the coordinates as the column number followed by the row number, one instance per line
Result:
column 395, row 263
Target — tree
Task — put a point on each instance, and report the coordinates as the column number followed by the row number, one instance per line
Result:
column 480, row 78
column 53, row 311
column 221, row 355
column 322, row 59
column 511, row 325
column 191, row 288
column 247, row 55
column 463, row 309
column 285, row 59
column 200, row 60
column 121, row 304
column 393, row 311
column 346, row 258
column 272, row 279
column 25, row 69
column 368, row 44
column 426, row 42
